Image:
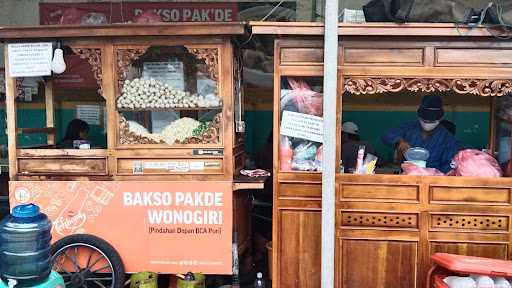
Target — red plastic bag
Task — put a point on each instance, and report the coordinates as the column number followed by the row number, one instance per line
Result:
column 476, row 163
column 411, row 169
column 306, row 100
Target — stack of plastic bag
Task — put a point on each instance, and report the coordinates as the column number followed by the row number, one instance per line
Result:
column 475, row 163
column 411, row 169
column 306, row 100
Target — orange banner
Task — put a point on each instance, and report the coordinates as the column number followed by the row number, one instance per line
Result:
column 165, row 227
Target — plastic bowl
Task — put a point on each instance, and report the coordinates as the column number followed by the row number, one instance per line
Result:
column 417, row 154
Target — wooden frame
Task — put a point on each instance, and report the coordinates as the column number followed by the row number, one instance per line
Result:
column 99, row 44
column 387, row 226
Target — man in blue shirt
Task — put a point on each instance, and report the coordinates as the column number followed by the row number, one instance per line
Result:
column 426, row 133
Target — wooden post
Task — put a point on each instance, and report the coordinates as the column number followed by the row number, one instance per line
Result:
column 108, row 90
column 492, row 124
column 50, row 111
column 10, row 108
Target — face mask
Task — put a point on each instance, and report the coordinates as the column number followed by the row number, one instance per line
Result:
column 429, row 126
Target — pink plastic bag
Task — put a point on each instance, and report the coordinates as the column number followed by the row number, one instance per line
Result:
column 306, row 100
column 476, row 163
column 411, row 169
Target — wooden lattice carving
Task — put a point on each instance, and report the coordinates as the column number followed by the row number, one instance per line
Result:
column 93, row 56
column 210, row 57
column 470, row 222
column 124, row 58
column 210, row 136
column 19, row 88
column 128, row 137
column 368, row 219
column 462, row 86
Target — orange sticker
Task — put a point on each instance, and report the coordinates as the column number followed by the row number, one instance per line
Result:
column 164, row 227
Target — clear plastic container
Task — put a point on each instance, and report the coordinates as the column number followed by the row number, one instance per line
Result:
column 417, row 154
column 25, row 237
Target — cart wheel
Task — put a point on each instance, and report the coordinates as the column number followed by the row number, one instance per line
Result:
column 86, row 261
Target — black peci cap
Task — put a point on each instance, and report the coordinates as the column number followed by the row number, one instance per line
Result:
column 431, row 108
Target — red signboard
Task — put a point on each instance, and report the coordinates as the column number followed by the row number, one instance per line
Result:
column 78, row 74
column 105, row 12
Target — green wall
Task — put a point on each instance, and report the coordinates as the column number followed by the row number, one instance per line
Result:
column 472, row 127
column 36, row 118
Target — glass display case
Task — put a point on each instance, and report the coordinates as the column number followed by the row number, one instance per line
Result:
column 301, row 129
column 159, row 102
column 169, row 95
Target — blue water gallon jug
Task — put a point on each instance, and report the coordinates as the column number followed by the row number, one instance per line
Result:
column 25, row 237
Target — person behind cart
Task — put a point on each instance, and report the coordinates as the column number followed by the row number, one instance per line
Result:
column 351, row 141
column 426, row 132
column 77, row 133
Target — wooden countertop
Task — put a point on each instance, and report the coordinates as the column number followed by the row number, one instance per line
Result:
column 371, row 29
column 115, row 30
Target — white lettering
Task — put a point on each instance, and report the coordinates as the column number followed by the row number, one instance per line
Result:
column 196, row 17
column 175, row 15
column 127, row 199
column 229, row 15
column 166, row 15
column 186, row 14
column 219, row 15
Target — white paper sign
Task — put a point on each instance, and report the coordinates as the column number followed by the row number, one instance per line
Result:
column 30, row 59
column 303, row 126
column 170, row 73
column 88, row 113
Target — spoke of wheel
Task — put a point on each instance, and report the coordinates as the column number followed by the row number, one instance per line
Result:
column 94, row 263
column 67, row 283
column 63, row 270
column 102, row 268
column 99, row 284
column 99, row 279
column 72, row 260
column 76, row 256
column 89, row 259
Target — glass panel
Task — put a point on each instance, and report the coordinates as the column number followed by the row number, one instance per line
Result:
column 78, row 109
column 378, row 121
column 169, row 95
column 31, row 113
column 504, row 133
column 301, row 129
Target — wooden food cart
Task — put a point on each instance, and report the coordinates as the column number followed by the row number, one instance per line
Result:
column 387, row 226
column 167, row 99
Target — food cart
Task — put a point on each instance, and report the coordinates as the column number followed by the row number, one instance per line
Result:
column 388, row 226
column 151, row 189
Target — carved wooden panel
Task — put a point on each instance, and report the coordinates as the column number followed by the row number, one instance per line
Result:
column 124, row 59
column 93, row 56
column 210, row 57
column 19, row 88
column 386, row 220
column 382, row 264
column 469, row 222
column 462, row 86
column 299, row 251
